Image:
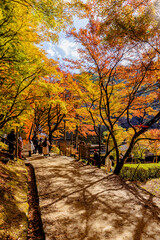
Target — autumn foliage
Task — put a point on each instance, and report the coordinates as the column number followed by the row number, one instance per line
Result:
column 118, row 71
column 125, row 65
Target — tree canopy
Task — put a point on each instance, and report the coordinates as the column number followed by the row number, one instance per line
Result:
column 24, row 25
column 126, row 66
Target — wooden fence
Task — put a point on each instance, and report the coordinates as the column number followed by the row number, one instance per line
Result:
column 84, row 151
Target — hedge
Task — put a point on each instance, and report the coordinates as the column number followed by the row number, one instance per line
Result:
column 140, row 172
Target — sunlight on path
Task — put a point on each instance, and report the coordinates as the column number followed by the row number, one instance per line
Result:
column 80, row 202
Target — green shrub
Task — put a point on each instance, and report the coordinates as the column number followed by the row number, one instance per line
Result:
column 141, row 172
column 55, row 149
column 84, row 160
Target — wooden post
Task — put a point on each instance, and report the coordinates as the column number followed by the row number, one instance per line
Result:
column 71, row 138
column 77, row 137
column 71, row 143
column 65, row 145
column 99, row 133
column 79, row 152
column 156, row 154
column 88, row 152
column 16, row 142
column 64, row 130
column 106, row 159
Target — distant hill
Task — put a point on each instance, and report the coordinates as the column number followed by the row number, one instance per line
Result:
column 136, row 121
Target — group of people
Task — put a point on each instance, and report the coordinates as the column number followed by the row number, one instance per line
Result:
column 41, row 146
column 36, row 145
column 109, row 161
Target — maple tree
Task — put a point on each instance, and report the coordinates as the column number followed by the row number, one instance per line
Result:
column 50, row 109
column 127, row 76
column 54, row 103
column 23, row 25
column 132, row 21
column 119, row 68
column 84, row 87
column 150, row 141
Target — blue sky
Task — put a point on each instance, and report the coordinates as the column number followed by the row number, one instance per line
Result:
column 66, row 47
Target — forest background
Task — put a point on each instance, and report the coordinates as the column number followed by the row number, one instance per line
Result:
column 115, row 82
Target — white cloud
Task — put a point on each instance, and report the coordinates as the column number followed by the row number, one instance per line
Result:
column 51, row 50
column 66, row 48
column 67, row 1
column 70, row 48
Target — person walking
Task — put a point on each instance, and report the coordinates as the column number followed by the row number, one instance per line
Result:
column 40, row 146
column 20, row 147
column 95, row 159
column 32, row 147
column 35, row 143
column 46, row 145
column 112, row 163
column 109, row 163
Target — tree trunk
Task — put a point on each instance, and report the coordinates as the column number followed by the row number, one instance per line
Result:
column 99, row 140
column 29, row 138
column 50, row 140
column 76, row 140
column 118, row 167
column 121, row 162
column 50, row 134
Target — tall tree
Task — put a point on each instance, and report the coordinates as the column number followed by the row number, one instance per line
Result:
column 23, row 25
column 54, row 103
column 86, row 89
column 50, row 109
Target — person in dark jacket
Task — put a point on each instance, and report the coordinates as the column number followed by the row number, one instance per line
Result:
column 40, row 145
column 12, row 138
column 35, row 143
column 95, row 160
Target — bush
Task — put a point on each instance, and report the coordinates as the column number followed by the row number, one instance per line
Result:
column 55, row 149
column 141, row 172
column 83, row 160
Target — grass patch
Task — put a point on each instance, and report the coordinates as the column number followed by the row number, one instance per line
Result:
column 13, row 200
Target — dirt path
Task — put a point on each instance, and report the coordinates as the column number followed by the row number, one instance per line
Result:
column 80, row 202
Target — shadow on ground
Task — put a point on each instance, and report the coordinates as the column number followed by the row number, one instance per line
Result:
column 82, row 202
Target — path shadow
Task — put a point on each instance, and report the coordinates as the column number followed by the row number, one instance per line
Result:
column 89, row 195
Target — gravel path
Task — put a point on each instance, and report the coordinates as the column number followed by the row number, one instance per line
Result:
column 81, row 202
